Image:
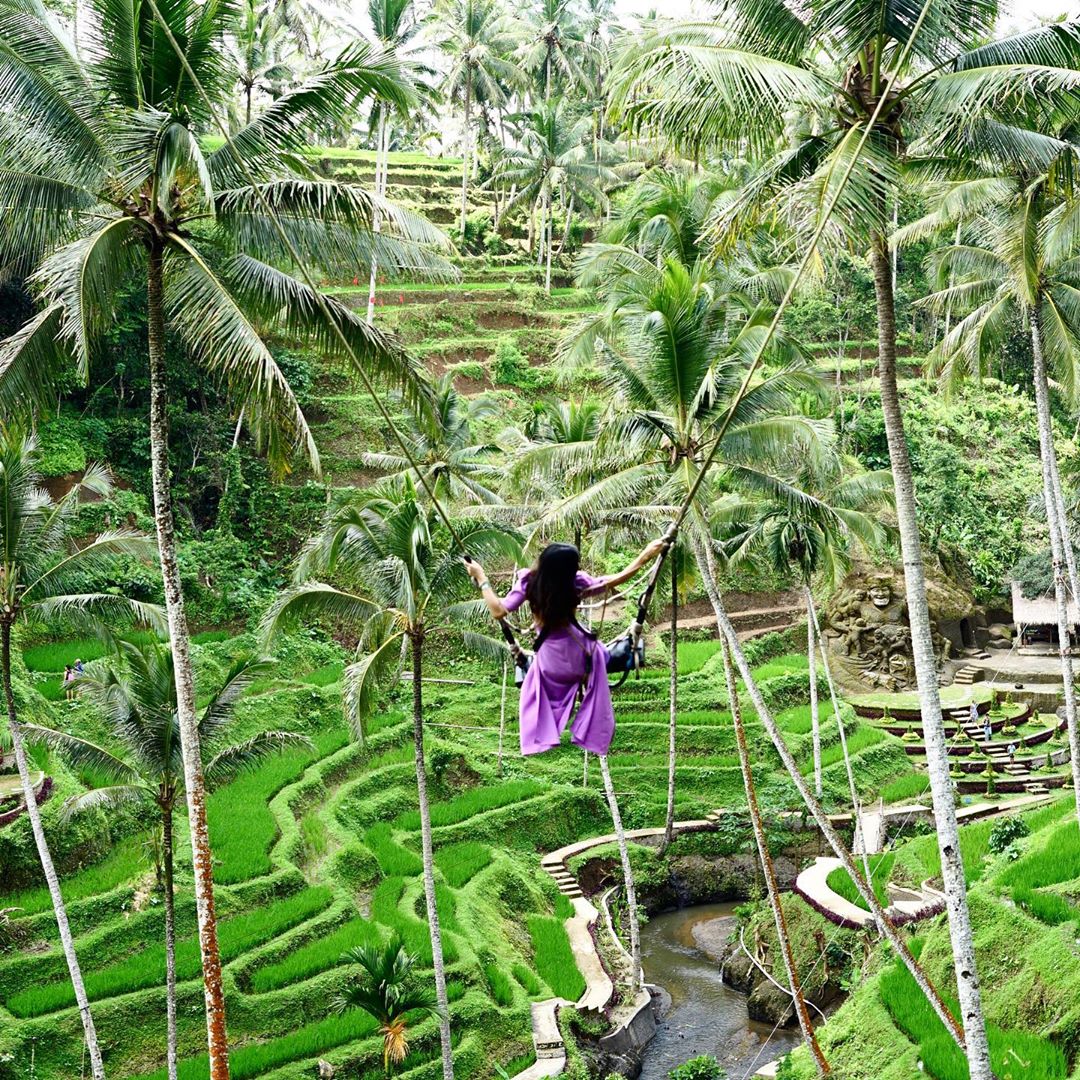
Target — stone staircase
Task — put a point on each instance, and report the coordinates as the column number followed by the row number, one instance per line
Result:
column 997, row 754
column 567, row 883
column 968, row 674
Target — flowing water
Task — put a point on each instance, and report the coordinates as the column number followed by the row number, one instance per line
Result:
column 705, row 1017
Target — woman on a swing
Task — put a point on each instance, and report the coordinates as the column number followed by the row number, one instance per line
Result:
column 568, row 660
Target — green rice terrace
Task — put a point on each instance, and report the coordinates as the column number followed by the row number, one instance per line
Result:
column 317, row 851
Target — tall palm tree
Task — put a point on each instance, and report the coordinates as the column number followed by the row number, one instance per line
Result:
column 476, row 38
column 812, row 538
column 401, row 573
column 395, row 27
column 555, row 159
column 259, row 50
column 42, row 577
column 1016, row 265
column 137, row 696
column 440, row 441
column 846, row 69
column 386, row 992
column 554, row 46
column 104, row 179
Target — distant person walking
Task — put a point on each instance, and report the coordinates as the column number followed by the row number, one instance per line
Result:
column 78, row 668
column 1012, row 752
column 69, row 678
column 988, row 731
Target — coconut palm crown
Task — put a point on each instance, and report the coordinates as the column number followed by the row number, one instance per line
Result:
column 108, row 163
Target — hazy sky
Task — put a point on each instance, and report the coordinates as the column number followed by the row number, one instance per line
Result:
column 1022, row 13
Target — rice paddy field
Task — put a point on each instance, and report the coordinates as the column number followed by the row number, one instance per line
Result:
column 318, row 850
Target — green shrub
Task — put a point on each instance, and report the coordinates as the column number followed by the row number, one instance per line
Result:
column 554, row 957
column 324, row 952
column 1006, row 832
column 703, row 1067
column 509, row 365
column 564, row 909
column 146, row 968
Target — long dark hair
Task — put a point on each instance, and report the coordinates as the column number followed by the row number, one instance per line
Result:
column 552, row 588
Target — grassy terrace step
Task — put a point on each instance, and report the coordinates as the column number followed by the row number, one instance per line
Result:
column 147, row 968
column 310, row 1041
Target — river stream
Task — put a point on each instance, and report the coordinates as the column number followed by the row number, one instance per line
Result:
column 705, row 1017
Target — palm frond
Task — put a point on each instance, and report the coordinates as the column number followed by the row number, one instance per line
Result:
column 219, row 334
column 249, row 754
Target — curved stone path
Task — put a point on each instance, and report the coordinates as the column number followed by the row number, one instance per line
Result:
column 599, row 988
column 906, row 905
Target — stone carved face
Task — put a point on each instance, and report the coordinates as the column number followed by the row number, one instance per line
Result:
column 881, row 594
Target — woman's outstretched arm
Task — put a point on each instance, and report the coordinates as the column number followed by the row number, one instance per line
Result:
column 650, row 552
column 494, row 604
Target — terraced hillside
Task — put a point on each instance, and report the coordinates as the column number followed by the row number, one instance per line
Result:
column 318, row 851
column 1024, row 876
column 494, row 329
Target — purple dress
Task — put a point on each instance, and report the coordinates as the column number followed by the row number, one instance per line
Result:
column 552, row 682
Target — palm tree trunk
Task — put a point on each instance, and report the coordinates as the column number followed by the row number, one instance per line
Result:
column 195, row 787
column 466, row 150
column 1048, row 455
column 673, row 701
column 628, row 879
column 922, row 647
column 815, row 713
column 772, row 888
column 170, row 943
column 704, row 560
column 1063, row 527
column 417, row 642
column 566, row 227
column 376, row 219
column 44, row 855
column 549, row 214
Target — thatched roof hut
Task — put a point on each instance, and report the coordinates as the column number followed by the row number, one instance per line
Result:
column 1039, row 612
